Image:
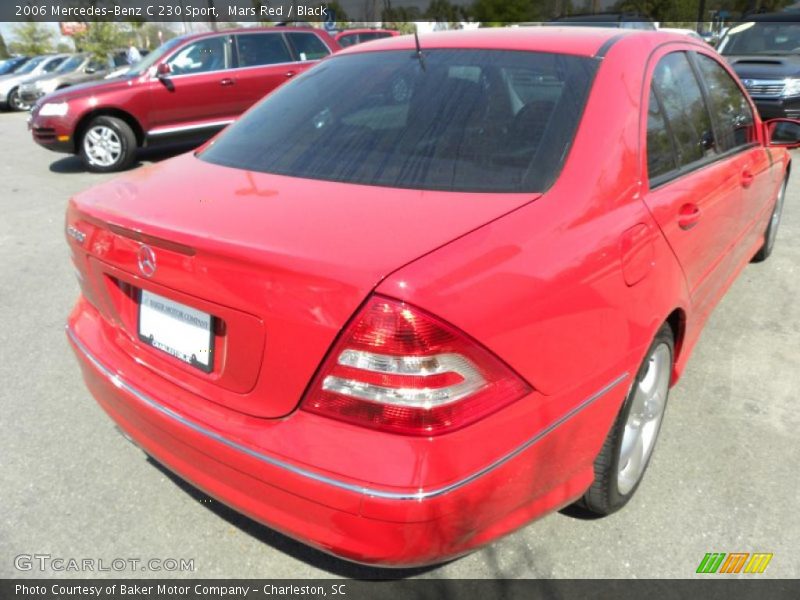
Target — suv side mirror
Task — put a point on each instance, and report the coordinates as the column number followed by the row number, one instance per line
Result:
column 783, row 132
column 163, row 70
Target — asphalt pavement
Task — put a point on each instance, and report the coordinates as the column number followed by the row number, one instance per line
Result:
column 724, row 477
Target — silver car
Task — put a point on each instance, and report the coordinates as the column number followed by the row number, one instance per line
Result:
column 79, row 68
column 9, row 84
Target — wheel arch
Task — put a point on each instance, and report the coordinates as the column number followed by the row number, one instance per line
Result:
column 84, row 121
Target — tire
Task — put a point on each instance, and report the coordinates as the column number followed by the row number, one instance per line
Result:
column 107, row 144
column 772, row 227
column 615, row 483
column 15, row 102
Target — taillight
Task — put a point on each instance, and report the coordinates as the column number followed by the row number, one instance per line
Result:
column 400, row 369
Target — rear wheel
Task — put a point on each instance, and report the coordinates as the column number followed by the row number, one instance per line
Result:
column 620, row 466
column 772, row 226
column 108, row 144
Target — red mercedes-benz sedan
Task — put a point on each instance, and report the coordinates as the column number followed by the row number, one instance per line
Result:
column 418, row 297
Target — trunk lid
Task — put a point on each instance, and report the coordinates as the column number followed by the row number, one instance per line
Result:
column 281, row 263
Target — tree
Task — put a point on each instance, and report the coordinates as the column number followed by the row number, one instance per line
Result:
column 100, row 39
column 505, row 11
column 442, row 11
column 32, row 38
column 3, row 49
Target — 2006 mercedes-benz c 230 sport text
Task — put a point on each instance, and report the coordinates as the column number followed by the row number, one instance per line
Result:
column 418, row 297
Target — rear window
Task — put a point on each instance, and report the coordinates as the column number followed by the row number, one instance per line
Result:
column 469, row 120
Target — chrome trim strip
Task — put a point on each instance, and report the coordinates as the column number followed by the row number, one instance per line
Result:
column 366, row 491
column 179, row 128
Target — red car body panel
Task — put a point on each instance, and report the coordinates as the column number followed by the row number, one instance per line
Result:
column 199, row 103
column 568, row 288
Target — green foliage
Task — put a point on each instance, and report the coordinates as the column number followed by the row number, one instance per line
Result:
column 101, row 39
column 147, row 35
column 339, row 12
column 442, row 11
column 400, row 14
column 32, row 38
column 401, row 26
column 64, row 48
column 3, row 49
column 503, row 11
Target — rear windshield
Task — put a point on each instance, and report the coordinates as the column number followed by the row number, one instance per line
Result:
column 460, row 120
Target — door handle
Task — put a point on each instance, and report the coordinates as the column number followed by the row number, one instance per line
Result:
column 747, row 178
column 291, row 73
column 688, row 216
column 226, row 81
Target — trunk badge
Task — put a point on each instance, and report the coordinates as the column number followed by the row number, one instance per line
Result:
column 146, row 261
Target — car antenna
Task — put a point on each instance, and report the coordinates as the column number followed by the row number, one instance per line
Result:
column 420, row 58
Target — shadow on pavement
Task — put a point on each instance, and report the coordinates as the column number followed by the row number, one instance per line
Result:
column 73, row 164
column 285, row 544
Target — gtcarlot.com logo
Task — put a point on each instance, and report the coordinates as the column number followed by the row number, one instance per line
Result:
column 59, row 564
column 734, row 562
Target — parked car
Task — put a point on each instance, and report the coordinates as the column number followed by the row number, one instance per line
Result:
column 349, row 37
column 9, row 84
column 189, row 88
column 80, row 68
column 605, row 19
column 765, row 53
column 10, row 65
column 411, row 301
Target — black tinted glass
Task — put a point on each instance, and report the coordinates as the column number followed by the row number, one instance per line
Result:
column 734, row 118
column 762, row 38
column 660, row 153
column 308, row 46
column 685, row 109
column 470, row 120
column 262, row 49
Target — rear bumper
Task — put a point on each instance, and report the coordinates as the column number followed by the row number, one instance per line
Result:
column 351, row 518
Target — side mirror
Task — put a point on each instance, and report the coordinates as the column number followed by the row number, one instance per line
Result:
column 783, row 132
column 90, row 70
column 163, row 70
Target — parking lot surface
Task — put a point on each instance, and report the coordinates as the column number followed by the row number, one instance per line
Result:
column 723, row 477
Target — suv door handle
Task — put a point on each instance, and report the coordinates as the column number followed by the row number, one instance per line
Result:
column 747, row 178
column 291, row 73
column 226, row 81
column 688, row 216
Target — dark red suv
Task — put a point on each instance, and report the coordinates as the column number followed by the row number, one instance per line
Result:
column 189, row 88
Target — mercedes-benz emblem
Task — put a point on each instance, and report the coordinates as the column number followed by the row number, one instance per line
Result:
column 147, row 261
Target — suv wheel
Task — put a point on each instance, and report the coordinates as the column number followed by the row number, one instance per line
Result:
column 107, row 145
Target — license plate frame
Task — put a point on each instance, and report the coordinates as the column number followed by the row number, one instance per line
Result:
column 192, row 328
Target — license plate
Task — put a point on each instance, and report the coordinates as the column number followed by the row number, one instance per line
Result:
column 179, row 330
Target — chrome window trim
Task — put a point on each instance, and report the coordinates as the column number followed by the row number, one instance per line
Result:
column 120, row 383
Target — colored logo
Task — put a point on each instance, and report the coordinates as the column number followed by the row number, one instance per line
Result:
column 734, row 562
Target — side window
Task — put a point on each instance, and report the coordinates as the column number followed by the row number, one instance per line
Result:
column 660, row 152
column 348, row 40
column 262, row 49
column 684, row 108
column 53, row 65
column 202, row 56
column 307, row 46
column 729, row 106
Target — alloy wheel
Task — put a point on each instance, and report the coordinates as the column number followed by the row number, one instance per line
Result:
column 102, row 145
column 644, row 419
